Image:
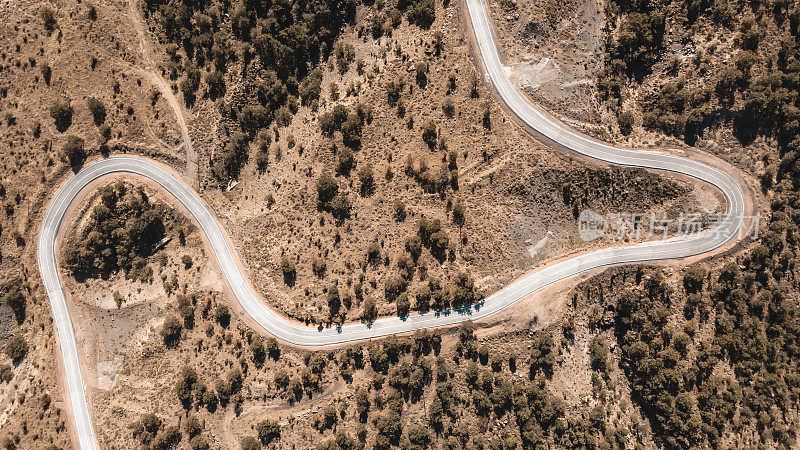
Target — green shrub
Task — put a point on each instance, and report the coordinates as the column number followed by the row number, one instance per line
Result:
column 421, row 13
column 171, row 331
column 346, row 162
column 216, row 84
column 98, row 110
column 6, row 374
column 268, row 431
column 48, row 18
column 429, row 133
column 403, row 305
column 249, row 443
column 625, row 121
column 340, row 207
column 351, row 131
column 327, row 188
column 72, row 152
column 366, row 177
column 16, row 348
column 289, row 271
column 61, row 112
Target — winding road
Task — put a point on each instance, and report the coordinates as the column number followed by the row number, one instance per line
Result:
column 300, row 335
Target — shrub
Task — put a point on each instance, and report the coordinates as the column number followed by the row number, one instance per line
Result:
column 463, row 292
column 249, row 443
column 253, row 118
column 262, row 158
column 373, row 252
column 439, row 244
column 598, row 354
column 48, row 19
column 327, row 123
column 216, row 84
column 693, row 279
column 429, row 133
column 6, row 374
column 281, row 379
column 334, row 302
column 16, row 348
column 403, row 305
column 222, row 314
column 14, row 297
column 449, row 108
column 394, row 286
column 421, row 72
column 422, row 13
column 346, row 162
column 370, row 311
column 399, row 210
column 258, row 351
column 311, row 87
column 351, row 131
column 198, row 443
column 340, row 114
column 366, row 177
column 542, row 355
column 376, row 26
column 47, row 73
column 73, row 151
column 625, row 121
column 268, row 431
column 146, row 428
column 393, row 91
column 231, row 156
column 192, row 81
column 319, row 266
column 289, row 271
column 340, row 207
column 171, row 331
column 414, row 246
column 105, row 133
column 61, row 112
column 98, row 110
column 459, row 214
column 419, row 437
column 327, row 188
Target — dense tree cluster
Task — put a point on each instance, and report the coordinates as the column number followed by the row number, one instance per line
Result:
column 121, row 233
column 751, row 302
column 754, row 314
column 349, row 123
column 756, row 90
column 282, row 40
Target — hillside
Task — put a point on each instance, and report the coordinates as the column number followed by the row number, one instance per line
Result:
column 362, row 168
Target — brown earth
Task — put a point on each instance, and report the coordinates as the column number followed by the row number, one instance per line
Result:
column 511, row 186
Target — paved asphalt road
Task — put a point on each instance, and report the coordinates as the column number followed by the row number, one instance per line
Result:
column 306, row 336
